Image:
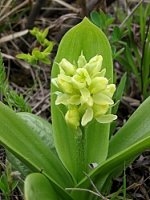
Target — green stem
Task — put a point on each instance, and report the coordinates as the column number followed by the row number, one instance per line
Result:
column 81, row 148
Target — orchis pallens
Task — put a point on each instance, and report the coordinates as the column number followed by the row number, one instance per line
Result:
column 84, row 90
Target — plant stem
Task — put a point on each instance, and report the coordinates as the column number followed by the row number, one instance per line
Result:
column 81, row 148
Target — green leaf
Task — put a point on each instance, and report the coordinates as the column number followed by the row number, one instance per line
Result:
column 86, row 38
column 49, row 45
column 36, row 53
column 131, row 63
column 119, row 92
column 116, row 34
column 117, row 98
column 21, row 140
column 96, row 19
column 136, row 128
column 43, row 129
column 38, row 187
column 109, row 20
column 23, row 56
column 115, row 161
column 46, row 61
column 44, row 33
column 145, row 71
column 34, row 31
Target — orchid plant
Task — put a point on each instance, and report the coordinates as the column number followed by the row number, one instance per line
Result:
column 81, row 100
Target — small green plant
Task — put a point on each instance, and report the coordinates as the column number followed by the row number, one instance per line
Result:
column 38, row 55
column 105, row 23
column 135, row 58
column 83, row 139
column 9, row 96
column 102, row 20
column 8, row 182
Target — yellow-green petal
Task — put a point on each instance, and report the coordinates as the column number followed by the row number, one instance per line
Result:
column 110, row 90
column 86, row 97
column 67, row 67
column 74, row 100
column 81, row 61
column 87, row 117
column 102, row 99
column 62, row 99
column 98, row 84
column 94, row 65
column 81, row 78
column 100, row 74
column 54, row 81
column 106, row 118
column 100, row 109
column 64, row 84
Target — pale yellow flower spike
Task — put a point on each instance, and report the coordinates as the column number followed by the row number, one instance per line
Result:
column 85, row 91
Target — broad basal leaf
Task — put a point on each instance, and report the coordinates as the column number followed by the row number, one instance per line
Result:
column 38, row 187
column 43, row 129
column 136, row 128
column 21, row 140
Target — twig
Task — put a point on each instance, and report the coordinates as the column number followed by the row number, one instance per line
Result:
column 97, row 191
column 40, row 102
column 85, row 190
column 8, row 56
column 67, row 5
column 14, row 10
column 13, row 36
column 134, row 9
column 42, row 110
column 34, row 13
column 6, row 7
column 73, row 22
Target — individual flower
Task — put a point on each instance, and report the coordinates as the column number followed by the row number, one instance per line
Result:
column 85, row 91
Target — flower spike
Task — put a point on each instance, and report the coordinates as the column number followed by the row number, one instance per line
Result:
column 85, row 91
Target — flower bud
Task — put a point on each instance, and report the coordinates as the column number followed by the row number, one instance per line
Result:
column 67, row 67
column 110, row 90
column 81, row 78
column 94, row 65
column 102, row 99
column 64, row 84
column 98, row 84
column 100, row 109
column 72, row 117
column 81, row 61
